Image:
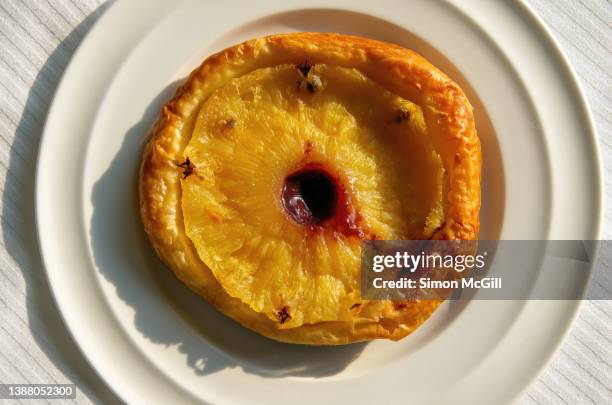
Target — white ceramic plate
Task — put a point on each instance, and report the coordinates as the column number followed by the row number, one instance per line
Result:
column 153, row 341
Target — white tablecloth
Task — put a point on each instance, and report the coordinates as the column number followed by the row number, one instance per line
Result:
column 37, row 40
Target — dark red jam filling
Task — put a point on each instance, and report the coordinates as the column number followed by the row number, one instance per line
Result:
column 315, row 198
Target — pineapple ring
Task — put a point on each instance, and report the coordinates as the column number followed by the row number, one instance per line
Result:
column 302, row 268
column 449, row 125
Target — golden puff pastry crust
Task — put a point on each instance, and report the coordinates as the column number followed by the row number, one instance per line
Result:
column 447, row 117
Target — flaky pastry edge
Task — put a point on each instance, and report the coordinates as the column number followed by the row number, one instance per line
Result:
column 449, row 118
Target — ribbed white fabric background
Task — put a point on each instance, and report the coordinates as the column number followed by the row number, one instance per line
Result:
column 37, row 39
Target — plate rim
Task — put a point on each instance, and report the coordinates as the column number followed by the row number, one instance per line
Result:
column 587, row 114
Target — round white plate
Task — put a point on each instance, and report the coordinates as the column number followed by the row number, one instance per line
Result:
column 153, row 341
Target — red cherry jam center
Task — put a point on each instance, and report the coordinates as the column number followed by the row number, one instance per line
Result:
column 309, row 196
column 313, row 197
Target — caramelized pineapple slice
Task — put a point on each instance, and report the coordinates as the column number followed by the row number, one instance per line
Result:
column 293, row 167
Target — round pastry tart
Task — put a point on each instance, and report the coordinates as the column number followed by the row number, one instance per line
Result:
column 278, row 156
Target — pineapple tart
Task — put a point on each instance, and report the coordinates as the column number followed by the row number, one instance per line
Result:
column 278, row 156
